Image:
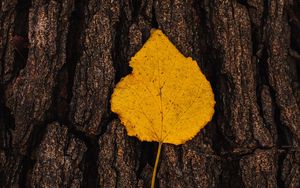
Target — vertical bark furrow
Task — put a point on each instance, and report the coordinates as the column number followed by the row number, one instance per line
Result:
column 279, row 71
column 15, row 42
column 233, row 38
column 30, row 95
column 7, row 20
column 282, row 79
column 256, row 127
column 94, row 74
column 10, row 162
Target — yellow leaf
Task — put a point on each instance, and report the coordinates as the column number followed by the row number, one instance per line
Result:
column 166, row 98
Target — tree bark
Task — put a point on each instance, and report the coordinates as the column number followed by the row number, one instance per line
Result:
column 59, row 63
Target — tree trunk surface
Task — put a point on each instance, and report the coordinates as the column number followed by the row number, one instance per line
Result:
column 59, row 63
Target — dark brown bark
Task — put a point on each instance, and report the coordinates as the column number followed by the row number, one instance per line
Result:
column 59, row 63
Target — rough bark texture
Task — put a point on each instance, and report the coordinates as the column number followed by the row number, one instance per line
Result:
column 59, row 63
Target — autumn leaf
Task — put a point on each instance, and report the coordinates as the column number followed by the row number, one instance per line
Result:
column 166, row 98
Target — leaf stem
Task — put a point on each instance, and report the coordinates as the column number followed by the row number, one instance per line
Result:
column 156, row 164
